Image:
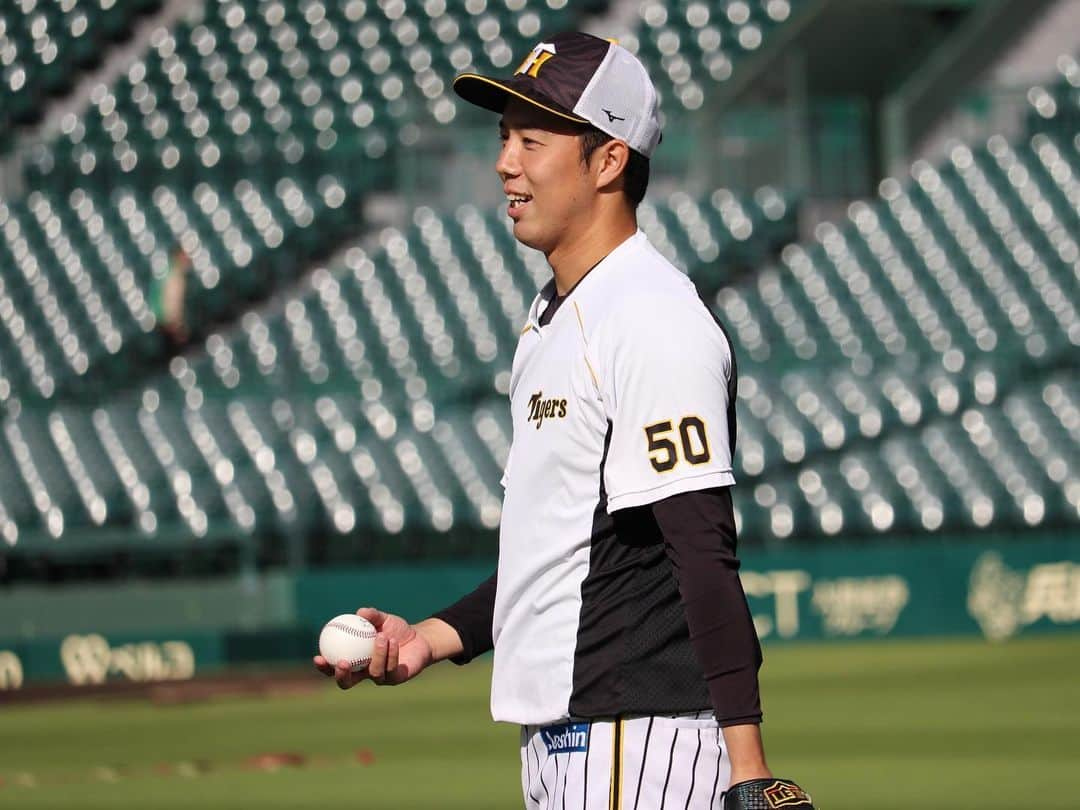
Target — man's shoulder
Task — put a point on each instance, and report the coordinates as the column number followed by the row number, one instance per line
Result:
column 648, row 297
column 640, row 281
column 649, row 266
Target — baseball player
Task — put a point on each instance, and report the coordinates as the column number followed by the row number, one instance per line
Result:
column 623, row 643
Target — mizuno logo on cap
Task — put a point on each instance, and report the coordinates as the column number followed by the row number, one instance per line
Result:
column 612, row 117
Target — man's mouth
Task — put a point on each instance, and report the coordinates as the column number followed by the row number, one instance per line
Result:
column 517, row 201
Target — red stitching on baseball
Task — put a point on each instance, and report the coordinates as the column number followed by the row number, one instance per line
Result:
column 352, row 631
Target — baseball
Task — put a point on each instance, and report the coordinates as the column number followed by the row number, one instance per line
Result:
column 350, row 638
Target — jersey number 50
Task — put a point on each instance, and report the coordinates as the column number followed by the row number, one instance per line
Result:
column 664, row 453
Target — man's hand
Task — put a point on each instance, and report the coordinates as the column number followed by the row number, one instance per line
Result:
column 401, row 652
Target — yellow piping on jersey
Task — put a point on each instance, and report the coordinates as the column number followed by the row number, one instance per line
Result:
column 581, row 323
column 617, row 748
column 622, row 758
column 611, row 777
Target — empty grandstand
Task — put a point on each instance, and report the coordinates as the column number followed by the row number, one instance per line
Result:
column 905, row 342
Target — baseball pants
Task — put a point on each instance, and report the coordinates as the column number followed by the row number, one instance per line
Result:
column 637, row 763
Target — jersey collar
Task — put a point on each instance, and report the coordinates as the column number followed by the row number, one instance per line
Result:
column 592, row 279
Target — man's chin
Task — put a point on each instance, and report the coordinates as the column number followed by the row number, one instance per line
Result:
column 526, row 236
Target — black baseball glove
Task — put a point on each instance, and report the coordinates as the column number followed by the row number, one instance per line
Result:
column 767, row 794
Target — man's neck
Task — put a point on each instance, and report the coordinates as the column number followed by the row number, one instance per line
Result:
column 570, row 263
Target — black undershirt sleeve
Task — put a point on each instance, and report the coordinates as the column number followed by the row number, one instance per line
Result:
column 471, row 616
column 700, row 539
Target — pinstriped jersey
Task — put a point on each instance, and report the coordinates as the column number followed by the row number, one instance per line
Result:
column 624, row 398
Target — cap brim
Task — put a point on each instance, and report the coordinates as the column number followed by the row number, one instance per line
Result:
column 492, row 94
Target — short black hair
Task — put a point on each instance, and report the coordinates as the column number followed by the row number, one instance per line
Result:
column 636, row 173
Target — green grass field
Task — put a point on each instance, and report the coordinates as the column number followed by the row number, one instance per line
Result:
column 871, row 725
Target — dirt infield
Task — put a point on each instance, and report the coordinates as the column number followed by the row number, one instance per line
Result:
column 225, row 683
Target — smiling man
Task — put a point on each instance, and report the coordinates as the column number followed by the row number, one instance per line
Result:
column 624, row 647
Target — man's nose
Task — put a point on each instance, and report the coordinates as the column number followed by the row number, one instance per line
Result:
column 507, row 163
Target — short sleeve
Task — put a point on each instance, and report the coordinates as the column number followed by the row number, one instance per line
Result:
column 506, row 469
column 667, row 381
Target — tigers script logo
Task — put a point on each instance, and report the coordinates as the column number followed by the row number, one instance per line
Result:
column 541, row 409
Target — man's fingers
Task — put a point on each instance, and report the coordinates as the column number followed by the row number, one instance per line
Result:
column 377, row 668
column 391, row 657
column 345, row 677
column 376, row 617
column 340, row 672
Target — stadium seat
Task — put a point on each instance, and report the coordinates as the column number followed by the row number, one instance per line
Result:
column 1003, row 465
column 969, row 265
column 44, row 44
column 90, row 266
column 1055, row 107
column 690, row 45
column 313, row 84
column 160, row 465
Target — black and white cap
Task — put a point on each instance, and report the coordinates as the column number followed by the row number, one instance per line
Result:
column 584, row 79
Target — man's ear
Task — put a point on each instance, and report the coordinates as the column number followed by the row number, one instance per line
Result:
column 610, row 160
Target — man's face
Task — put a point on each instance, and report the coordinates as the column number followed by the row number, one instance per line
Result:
column 548, row 188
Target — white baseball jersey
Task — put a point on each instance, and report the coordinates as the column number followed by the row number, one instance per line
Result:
column 623, row 399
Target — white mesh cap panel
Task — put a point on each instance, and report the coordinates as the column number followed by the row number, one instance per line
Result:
column 620, row 100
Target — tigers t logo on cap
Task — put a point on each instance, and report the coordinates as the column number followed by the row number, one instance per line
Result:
column 535, row 60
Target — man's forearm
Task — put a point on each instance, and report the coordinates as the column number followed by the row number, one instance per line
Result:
column 470, row 618
column 746, row 752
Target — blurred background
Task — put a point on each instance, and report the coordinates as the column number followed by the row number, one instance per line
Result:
column 258, row 302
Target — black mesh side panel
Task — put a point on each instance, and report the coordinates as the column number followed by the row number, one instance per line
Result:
column 633, row 651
